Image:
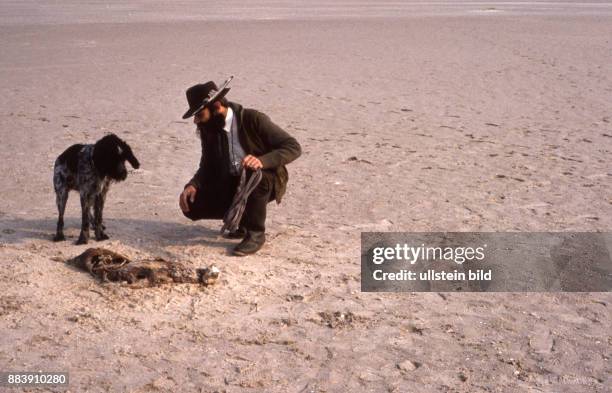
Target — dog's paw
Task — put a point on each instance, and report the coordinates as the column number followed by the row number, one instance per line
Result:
column 82, row 240
column 59, row 238
column 102, row 236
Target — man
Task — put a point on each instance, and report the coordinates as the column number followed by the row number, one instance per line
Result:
column 234, row 137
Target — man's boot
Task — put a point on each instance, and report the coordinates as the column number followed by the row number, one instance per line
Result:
column 252, row 243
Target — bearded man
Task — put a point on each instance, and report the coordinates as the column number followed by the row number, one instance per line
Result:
column 234, row 137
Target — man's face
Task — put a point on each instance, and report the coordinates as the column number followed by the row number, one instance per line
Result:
column 210, row 118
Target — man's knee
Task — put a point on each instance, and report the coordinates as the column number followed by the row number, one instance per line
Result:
column 205, row 211
column 191, row 214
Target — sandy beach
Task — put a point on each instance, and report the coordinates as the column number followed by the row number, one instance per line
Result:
column 416, row 116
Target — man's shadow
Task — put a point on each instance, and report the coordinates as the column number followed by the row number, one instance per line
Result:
column 147, row 234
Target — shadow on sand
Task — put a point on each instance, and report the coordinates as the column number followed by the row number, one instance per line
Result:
column 132, row 232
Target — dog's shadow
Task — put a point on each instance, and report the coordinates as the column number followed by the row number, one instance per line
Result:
column 132, row 232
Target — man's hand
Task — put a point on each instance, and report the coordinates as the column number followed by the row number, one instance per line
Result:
column 252, row 162
column 188, row 194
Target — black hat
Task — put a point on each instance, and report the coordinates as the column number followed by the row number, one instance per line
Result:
column 202, row 95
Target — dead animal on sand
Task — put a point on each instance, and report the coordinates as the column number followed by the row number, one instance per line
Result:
column 111, row 266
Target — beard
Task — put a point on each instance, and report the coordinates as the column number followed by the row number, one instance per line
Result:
column 216, row 122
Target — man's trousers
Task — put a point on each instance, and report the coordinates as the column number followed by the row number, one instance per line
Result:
column 214, row 199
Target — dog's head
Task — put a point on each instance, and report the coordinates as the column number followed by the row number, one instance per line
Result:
column 109, row 157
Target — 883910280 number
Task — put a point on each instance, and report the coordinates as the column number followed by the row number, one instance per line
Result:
column 27, row 378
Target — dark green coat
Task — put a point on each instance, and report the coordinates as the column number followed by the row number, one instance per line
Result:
column 265, row 140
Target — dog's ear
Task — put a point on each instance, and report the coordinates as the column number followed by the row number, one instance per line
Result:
column 105, row 154
column 129, row 155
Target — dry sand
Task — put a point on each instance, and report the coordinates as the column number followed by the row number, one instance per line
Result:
column 443, row 117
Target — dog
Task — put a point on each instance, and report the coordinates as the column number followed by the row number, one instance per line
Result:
column 89, row 169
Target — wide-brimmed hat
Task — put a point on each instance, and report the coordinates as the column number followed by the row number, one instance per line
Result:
column 202, row 95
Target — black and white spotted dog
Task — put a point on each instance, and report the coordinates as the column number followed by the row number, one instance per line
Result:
column 89, row 169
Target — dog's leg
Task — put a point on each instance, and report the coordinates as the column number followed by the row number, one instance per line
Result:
column 98, row 210
column 86, row 202
column 92, row 220
column 61, row 198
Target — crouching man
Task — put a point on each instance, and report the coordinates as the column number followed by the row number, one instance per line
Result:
column 233, row 137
